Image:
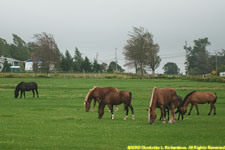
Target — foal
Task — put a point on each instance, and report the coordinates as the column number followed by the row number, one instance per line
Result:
column 116, row 98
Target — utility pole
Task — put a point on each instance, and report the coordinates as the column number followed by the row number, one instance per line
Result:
column 187, row 62
column 216, row 63
column 116, row 59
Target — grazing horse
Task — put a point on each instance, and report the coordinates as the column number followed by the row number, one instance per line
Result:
column 26, row 86
column 116, row 98
column 162, row 98
column 178, row 105
column 196, row 98
column 97, row 94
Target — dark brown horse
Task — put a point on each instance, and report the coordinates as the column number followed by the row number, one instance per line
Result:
column 196, row 98
column 116, row 98
column 97, row 94
column 26, row 86
column 178, row 105
column 162, row 98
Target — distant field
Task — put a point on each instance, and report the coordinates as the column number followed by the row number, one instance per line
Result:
column 57, row 120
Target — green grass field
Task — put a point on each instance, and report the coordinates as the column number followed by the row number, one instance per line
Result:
column 57, row 120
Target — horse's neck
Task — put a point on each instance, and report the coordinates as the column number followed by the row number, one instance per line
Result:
column 186, row 102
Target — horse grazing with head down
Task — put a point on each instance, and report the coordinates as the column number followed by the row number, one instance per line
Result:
column 116, row 98
column 97, row 94
column 178, row 104
column 196, row 98
column 26, row 86
column 162, row 98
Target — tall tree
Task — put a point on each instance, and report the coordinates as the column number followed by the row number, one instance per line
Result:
column 86, row 65
column 47, row 50
column 67, row 62
column 141, row 51
column 198, row 57
column 113, row 66
column 78, row 61
column 19, row 49
column 4, row 48
column 171, row 68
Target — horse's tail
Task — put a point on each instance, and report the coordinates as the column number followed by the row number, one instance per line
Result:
column 130, row 96
column 215, row 99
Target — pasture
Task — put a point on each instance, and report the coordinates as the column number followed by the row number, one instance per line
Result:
column 57, row 120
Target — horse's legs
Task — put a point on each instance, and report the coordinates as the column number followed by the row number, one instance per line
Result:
column 168, row 113
column 196, row 106
column 132, row 110
column 33, row 92
column 191, row 109
column 21, row 93
column 111, row 108
column 212, row 107
column 116, row 109
column 173, row 118
column 127, row 110
column 37, row 92
column 162, row 114
column 94, row 105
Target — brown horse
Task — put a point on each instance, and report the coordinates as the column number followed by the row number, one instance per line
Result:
column 196, row 98
column 116, row 98
column 97, row 94
column 162, row 98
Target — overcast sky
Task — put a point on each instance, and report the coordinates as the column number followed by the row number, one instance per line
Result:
column 100, row 26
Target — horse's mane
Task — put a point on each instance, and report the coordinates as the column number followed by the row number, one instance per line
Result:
column 19, row 85
column 186, row 97
column 89, row 93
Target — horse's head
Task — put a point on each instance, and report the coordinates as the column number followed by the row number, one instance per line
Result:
column 183, row 110
column 16, row 93
column 151, row 115
column 87, row 105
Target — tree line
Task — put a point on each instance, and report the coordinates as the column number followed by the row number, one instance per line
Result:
column 140, row 51
column 45, row 48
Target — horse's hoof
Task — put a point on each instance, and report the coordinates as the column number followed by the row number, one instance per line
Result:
column 164, row 122
column 214, row 113
column 208, row 114
column 174, row 121
column 93, row 110
column 189, row 114
column 133, row 117
column 112, row 117
column 170, row 122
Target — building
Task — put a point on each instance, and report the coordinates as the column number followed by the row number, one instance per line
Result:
column 15, row 64
column 29, row 64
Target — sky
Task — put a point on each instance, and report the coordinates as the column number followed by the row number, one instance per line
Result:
column 98, row 28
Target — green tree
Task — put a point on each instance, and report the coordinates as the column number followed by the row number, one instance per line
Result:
column 141, row 51
column 19, row 49
column 171, row 68
column 96, row 67
column 6, row 66
column 67, row 62
column 78, row 61
column 86, row 65
column 198, row 57
column 4, row 48
column 113, row 66
column 47, row 50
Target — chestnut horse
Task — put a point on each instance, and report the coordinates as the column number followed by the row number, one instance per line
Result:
column 116, row 98
column 97, row 94
column 162, row 98
column 196, row 98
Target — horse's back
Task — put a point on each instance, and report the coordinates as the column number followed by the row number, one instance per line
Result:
column 203, row 97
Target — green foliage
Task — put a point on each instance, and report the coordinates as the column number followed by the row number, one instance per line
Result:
column 141, row 51
column 113, row 67
column 198, row 57
column 86, row 65
column 78, row 60
column 57, row 120
column 171, row 68
column 6, row 66
column 66, row 62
